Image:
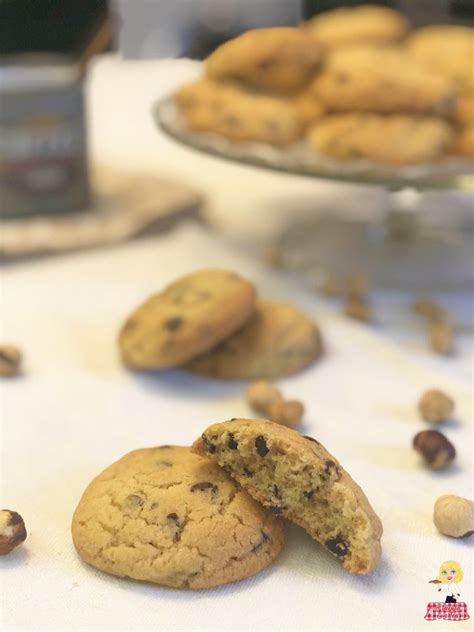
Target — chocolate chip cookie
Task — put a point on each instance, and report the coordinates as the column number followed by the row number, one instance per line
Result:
column 446, row 49
column 366, row 24
column 281, row 59
column 278, row 340
column 168, row 516
column 382, row 80
column 296, row 477
column 190, row 316
column 238, row 113
column 395, row 140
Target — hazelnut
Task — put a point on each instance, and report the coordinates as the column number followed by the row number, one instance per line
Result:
column 441, row 335
column 286, row 412
column 435, row 448
column 261, row 394
column 435, row 406
column 357, row 308
column 10, row 360
column 429, row 309
column 454, row 516
column 12, row 530
column 357, row 285
column 332, row 286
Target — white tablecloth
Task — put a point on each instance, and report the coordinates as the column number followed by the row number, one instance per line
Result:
column 76, row 410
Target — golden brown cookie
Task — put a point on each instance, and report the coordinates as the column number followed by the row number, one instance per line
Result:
column 187, row 318
column 279, row 59
column 463, row 143
column 296, row 477
column 167, row 516
column 278, row 340
column 365, row 24
column 383, row 80
column 238, row 113
column 447, row 49
column 396, row 139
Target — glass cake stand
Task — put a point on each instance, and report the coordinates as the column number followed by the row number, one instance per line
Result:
column 400, row 247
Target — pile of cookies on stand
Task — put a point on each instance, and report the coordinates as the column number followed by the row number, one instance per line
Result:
column 353, row 83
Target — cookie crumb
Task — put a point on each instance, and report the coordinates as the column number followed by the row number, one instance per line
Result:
column 10, row 361
column 435, row 406
column 286, row 412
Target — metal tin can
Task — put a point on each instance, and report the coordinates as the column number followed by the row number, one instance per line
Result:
column 43, row 161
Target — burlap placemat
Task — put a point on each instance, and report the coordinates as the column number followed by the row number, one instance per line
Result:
column 124, row 206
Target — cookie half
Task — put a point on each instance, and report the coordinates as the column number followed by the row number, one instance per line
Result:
column 296, row 477
column 168, row 516
column 190, row 316
column 278, row 340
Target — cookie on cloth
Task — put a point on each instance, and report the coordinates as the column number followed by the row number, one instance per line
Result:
column 296, row 477
column 278, row 340
column 365, row 24
column 383, row 80
column 397, row 140
column 167, row 516
column 280, row 60
column 187, row 318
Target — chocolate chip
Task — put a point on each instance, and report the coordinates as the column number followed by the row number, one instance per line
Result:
column 337, row 546
column 248, row 472
column 311, row 439
column 173, row 517
column 276, row 492
column 210, row 447
column 265, row 537
column 233, row 419
column 173, row 324
column 232, row 443
column 133, row 501
column 205, row 485
column 309, row 494
column 261, row 446
column 163, row 447
column 274, row 509
column 154, row 505
column 177, row 524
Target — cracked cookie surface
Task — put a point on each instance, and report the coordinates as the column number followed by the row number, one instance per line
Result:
column 187, row 318
column 168, row 516
column 297, row 478
column 278, row 340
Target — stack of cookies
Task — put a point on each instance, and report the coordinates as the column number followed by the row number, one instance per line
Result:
column 203, row 516
column 211, row 322
column 342, row 82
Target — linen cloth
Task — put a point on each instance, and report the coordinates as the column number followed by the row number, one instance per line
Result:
column 76, row 410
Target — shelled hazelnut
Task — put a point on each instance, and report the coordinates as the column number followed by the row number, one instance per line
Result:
column 358, row 308
column 10, row 360
column 437, row 451
column 441, row 336
column 454, row 516
column 435, row 406
column 286, row 412
column 12, row 531
column 261, row 394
